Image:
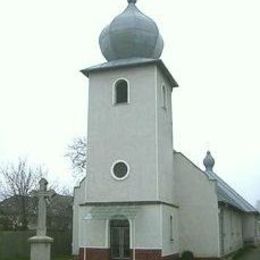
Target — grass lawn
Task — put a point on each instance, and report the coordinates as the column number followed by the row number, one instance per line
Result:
column 241, row 252
column 248, row 254
column 53, row 258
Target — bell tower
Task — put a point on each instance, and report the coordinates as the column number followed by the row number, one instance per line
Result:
column 130, row 167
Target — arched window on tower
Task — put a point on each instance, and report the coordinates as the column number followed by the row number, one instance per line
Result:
column 121, row 92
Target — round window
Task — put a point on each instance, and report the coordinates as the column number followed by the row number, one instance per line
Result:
column 120, row 170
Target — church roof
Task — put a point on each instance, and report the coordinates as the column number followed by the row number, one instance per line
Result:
column 224, row 192
column 228, row 195
column 131, row 62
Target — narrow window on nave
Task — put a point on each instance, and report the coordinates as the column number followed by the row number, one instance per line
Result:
column 164, row 97
column 171, row 229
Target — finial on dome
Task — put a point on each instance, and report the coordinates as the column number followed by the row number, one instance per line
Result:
column 209, row 162
column 131, row 1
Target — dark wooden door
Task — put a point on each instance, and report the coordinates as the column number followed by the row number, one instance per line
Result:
column 120, row 240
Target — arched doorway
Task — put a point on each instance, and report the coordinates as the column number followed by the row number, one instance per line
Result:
column 120, row 239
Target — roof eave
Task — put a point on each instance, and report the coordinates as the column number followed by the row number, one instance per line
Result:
column 132, row 63
column 224, row 203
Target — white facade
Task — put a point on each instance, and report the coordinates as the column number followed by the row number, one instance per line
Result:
column 198, row 212
column 171, row 205
column 138, row 133
column 157, row 202
column 145, row 235
column 145, row 132
column 79, row 197
column 231, row 237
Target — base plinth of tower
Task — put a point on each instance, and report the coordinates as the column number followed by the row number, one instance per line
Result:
column 94, row 254
column 40, row 247
column 140, row 254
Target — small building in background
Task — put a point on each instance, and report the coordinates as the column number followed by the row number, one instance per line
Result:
column 59, row 214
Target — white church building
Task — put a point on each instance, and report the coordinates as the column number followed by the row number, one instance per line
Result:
column 140, row 199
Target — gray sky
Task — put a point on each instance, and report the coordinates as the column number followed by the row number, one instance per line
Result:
column 211, row 48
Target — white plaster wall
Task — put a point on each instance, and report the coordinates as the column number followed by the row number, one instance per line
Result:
column 198, row 212
column 258, row 230
column 145, row 233
column 122, row 132
column 166, row 179
column 139, row 133
column 232, row 230
column 92, row 232
column 169, row 247
column 148, row 229
column 249, row 228
column 237, row 230
column 79, row 195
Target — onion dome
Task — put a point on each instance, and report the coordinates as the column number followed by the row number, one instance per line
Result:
column 131, row 35
column 209, row 162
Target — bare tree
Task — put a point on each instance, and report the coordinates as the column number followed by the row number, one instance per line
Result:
column 17, row 181
column 60, row 188
column 77, row 154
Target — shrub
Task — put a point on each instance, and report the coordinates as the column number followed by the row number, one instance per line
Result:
column 187, row 255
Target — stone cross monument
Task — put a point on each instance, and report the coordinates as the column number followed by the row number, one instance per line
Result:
column 41, row 244
column 44, row 197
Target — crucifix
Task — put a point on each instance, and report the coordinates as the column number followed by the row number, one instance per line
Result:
column 44, row 196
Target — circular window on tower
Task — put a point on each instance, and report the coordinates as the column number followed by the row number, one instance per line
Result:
column 120, row 170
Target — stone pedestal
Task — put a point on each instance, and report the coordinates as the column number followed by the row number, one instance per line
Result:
column 40, row 247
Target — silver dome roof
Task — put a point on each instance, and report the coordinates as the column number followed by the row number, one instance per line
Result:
column 131, row 35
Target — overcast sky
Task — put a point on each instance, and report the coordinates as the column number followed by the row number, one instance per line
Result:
column 211, row 48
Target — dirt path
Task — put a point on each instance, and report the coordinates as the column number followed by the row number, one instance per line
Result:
column 253, row 254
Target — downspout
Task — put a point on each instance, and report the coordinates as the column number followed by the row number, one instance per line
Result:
column 133, row 232
column 221, row 231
